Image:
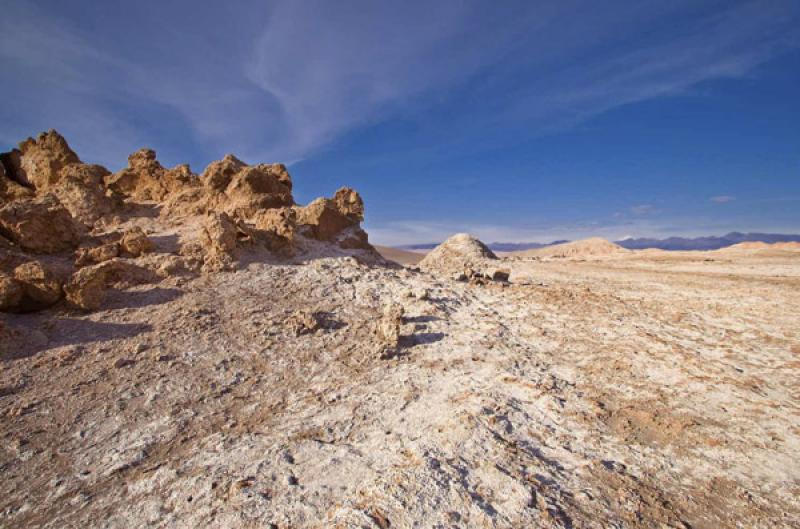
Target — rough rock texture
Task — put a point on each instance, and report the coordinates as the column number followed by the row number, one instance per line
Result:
column 82, row 192
column 41, row 287
column 135, row 242
column 97, row 254
column 154, row 222
column 218, row 242
column 146, row 179
column 335, row 219
column 39, row 225
column 38, row 162
column 11, row 292
column 461, row 254
column 86, row 288
column 389, row 326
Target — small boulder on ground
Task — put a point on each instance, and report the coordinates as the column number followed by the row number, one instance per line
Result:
column 135, row 242
column 41, row 288
column 86, row 288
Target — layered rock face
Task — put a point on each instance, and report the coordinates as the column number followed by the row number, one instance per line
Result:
column 82, row 215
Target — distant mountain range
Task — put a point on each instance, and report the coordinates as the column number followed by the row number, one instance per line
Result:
column 710, row 242
column 705, row 243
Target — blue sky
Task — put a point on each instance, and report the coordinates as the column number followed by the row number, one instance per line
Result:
column 516, row 121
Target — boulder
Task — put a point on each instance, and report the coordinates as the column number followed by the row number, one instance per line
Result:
column 277, row 226
column 38, row 162
column 97, row 254
column 86, row 289
column 390, row 324
column 327, row 219
column 39, row 225
column 11, row 292
column 41, row 288
column 218, row 242
column 134, row 242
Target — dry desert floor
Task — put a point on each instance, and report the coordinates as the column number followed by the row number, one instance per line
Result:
column 648, row 390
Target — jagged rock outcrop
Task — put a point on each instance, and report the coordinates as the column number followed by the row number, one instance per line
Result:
column 335, row 219
column 81, row 190
column 146, row 179
column 231, row 186
column 39, row 225
column 460, row 255
column 94, row 225
column 37, row 163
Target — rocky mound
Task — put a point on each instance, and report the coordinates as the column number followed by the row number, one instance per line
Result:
column 462, row 256
column 594, row 247
column 69, row 230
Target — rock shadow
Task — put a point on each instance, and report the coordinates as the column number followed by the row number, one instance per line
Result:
column 68, row 331
column 131, row 299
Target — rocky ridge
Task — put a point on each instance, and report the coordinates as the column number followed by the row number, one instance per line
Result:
column 79, row 229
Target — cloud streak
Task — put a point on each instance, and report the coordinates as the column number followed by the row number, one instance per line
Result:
column 287, row 80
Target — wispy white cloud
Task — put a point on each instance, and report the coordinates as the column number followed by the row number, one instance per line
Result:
column 722, row 199
column 285, row 79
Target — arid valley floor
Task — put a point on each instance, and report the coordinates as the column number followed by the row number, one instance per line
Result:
column 642, row 391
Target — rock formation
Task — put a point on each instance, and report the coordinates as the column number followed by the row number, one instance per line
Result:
column 95, row 226
column 461, row 256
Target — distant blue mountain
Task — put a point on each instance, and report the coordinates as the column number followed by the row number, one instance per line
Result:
column 710, row 242
column 705, row 243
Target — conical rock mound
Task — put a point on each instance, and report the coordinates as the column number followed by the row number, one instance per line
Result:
column 458, row 253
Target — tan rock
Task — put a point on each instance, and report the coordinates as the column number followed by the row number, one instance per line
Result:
column 41, row 288
column 278, row 225
column 304, row 322
column 135, row 242
column 38, row 162
column 146, row 179
column 11, row 292
column 86, row 289
column 39, row 225
column 218, row 240
column 390, row 324
column 9, row 188
column 82, row 192
column 336, row 219
column 98, row 254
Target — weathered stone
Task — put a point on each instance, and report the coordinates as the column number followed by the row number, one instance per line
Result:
column 11, row 293
column 39, row 225
column 86, row 289
column 38, row 162
column 98, row 254
column 135, row 242
column 82, row 192
column 41, row 288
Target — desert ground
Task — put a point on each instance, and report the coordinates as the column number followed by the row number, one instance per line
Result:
column 183, row 351
column 644, row 391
